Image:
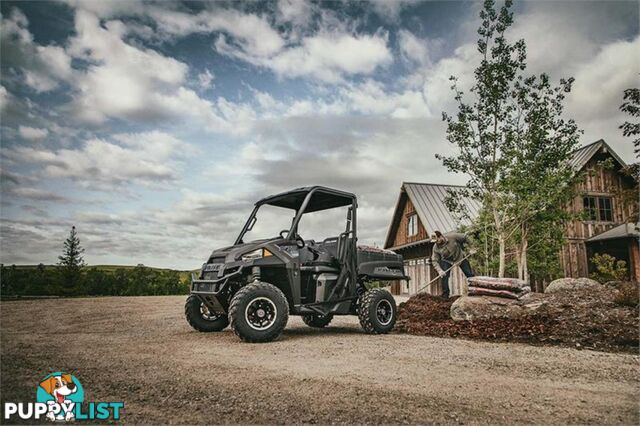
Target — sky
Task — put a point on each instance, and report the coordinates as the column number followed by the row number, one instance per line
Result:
column 153, row 127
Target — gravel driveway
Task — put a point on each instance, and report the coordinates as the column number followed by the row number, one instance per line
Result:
column 140, row 350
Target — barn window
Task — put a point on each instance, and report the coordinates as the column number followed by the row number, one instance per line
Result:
column 590, row 208
column 606, row 213
column 598, row 208
column 412, row 226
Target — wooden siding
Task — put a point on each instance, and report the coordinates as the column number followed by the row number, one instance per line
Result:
column 598, row 182
column 421, row 273
column 402, row 236
column 634, row 256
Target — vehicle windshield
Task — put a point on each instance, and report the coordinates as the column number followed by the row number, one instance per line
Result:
column 270, row 220
column 323, row 224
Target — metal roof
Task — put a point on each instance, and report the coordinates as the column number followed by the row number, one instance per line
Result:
column 582, row 156
column 626, row 230
column 428, row 199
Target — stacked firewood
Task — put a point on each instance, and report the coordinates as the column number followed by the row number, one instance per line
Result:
column 510, row 288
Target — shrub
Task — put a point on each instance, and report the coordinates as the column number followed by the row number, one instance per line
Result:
column 608, row 268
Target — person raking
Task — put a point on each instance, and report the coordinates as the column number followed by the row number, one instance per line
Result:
column 447, row 251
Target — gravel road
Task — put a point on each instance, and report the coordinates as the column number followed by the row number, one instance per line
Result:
column 140, row 350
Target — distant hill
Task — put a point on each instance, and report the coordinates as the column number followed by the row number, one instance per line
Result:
column 110, row 268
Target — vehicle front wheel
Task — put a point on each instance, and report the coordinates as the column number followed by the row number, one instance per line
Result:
column 317, row 321
column 377, row 311
column 200, row 318
column 258, row 312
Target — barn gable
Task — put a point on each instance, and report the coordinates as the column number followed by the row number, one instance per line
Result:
column 428, row 202
column 583, row 155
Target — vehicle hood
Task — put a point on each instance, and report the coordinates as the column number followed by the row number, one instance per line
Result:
column 232, row 252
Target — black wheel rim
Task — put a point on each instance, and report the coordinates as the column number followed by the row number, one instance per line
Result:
column 206, row 314
column 384, row 312
column 260, row 313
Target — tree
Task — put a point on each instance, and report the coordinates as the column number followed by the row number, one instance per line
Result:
column 71, row 263
column 511, row 141
column 631, row 106
column 480, row 129
column 538, row 179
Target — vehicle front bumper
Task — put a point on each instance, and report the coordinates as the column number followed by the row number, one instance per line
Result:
column 208, row 290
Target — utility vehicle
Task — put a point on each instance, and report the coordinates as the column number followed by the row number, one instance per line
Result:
column 255, row 285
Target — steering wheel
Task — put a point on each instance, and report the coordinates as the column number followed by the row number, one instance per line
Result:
column 299, row 241
column 282, row 232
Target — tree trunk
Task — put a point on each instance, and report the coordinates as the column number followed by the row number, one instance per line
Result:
column 502, row 254
column 519, row 259
column 525, row 266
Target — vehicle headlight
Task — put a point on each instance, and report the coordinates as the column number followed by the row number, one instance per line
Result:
column 255, row 254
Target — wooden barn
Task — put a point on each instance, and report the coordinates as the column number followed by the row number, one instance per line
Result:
column 606, row 228
column 420, row 210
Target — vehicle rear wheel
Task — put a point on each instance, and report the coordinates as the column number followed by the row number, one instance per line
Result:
column 377, row 311
column 200, row 318
column 258, row 312
column 317, row 321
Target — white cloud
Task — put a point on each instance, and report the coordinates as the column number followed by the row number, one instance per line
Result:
column 298, row 12
column 32, row 133
column 413, row 49
column 43, row 67
column 205, row 79
column 122, row 77
column 253, row 32
column 325, row 56
column 390, row 10
column 150, row 158
column 5, row 97
column 616, row 67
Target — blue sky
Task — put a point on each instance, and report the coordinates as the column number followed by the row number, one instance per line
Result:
column 153, row 127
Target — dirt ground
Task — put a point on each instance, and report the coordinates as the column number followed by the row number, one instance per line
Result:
column 140, row 350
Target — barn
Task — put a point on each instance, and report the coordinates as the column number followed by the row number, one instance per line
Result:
column 421, row 210
column 605, row 226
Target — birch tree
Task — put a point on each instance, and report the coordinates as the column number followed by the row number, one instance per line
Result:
column 512, row 142
column 482, row 131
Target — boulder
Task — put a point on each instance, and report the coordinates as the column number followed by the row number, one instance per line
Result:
column 572, row 284
column 469, row 308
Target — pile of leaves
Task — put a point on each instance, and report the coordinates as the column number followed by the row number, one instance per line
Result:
column 587, row 319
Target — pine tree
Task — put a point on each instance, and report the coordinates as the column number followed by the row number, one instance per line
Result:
column 71, row 262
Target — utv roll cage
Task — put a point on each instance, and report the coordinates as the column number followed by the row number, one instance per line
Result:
column 307, row 200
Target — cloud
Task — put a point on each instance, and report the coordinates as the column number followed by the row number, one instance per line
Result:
column 43, row 67
column 613, row 69
column 298, row 12
column 32, row 133
column 150, row 159
column 326, row 56
column 413, row 49
column 121, row 77
column 35, row 194
column 205, row 79
column 253, row 33
column 390, row 10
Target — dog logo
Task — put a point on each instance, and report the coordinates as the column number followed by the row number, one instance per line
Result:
column 61, row 392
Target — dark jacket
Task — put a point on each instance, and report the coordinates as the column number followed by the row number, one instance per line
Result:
column 451, row 251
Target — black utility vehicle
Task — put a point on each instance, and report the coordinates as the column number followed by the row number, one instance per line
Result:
column 256, row 285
